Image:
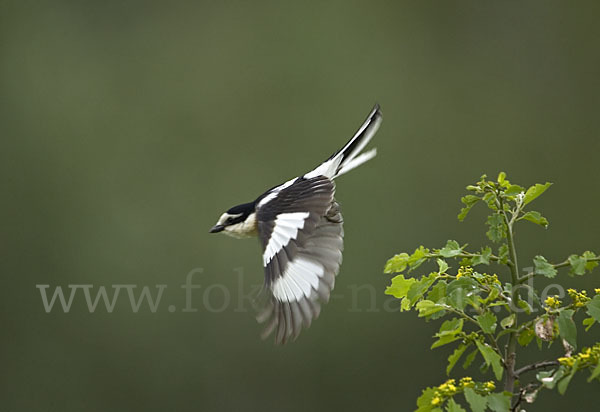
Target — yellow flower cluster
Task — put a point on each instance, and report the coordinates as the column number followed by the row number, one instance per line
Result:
column 464, row 271
column 552, row 302
column 597, row 290
column 579, row 298
column 450, row 388
column 587, row 357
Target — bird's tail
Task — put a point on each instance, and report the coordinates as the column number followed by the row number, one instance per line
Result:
column 349, row 156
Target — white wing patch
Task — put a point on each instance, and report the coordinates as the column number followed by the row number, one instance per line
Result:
column 300, row 277
column 275, row 192
column 285, row 228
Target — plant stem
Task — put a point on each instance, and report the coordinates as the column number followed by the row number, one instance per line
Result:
column 510, row 357
column 535, row 366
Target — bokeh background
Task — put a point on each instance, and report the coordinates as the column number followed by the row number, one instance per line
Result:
column 127, row 127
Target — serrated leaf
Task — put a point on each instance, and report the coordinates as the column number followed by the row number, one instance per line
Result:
column 535, row 191
column 452, row 406
column 469, row 201
column 448, row 332
column 475, row 401
column 487, row 322
column 499, row 402
column 491, row 358
column 451, row 249
column 543, row 267
column 483, row 257
column 455, row 357
column 396, row 263
column 400, row 286
column 424, row 401
column 577, row 264
column 418, row 289
column 567, row 328
column 593, row 308
column 428, row 308
column 497, row 230
column 536, row 218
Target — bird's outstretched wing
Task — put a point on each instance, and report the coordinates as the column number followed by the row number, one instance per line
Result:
column 300, row 227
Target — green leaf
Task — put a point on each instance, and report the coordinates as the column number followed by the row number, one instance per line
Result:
column 451, row 326
column 513, row 190
column 442, row 266
column 564, row 382
column 419, row 256
column 499, row 402
column 593, row 308
column 588, row 323
column 508, row 321
column 536, row 218
column 470, row 358
column 455, row 356
column 524, row 305
column 535, row 191
column 483, row 257
column 452, row 406
column 497, row 230
column 427, row 308
column 543, row 267
column 448, row 332
column 451, row 249
column 418, row 289
column 501, row 177
column 525, row 337
column 590, row 265
column 459, row 292
column 567, row 328
column 437, row 292
column 476, row 402
column 487, row 322
column 595, row 373
column 424, row 401
column 549, row 378
column 469, row 201
column 503, row 253
column 491, row 358
column 577, row 264
column 400, row 286
column 397, row 263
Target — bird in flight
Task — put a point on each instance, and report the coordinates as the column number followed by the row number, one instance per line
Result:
column 299, row 225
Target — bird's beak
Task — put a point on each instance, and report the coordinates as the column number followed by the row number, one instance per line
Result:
column 216, row 229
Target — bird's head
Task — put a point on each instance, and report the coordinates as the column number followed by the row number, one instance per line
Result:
column 239, row 221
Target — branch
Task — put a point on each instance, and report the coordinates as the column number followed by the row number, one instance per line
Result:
column 535, row 366
column 567, row 263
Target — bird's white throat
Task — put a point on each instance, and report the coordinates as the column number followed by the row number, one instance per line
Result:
column 247, row 228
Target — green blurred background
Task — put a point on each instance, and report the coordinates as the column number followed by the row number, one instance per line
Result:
column 128, row 127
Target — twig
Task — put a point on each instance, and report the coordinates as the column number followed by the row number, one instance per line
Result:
column 535, row 366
